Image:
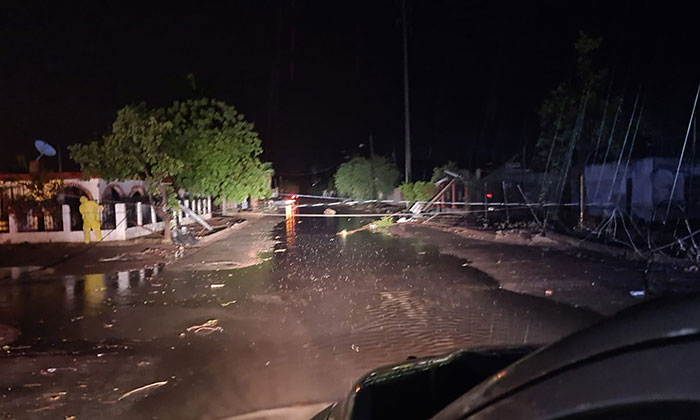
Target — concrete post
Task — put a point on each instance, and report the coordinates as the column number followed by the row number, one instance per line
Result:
column 123, row 280
column 66, row 217
column 208, row 205
column 199, row 206
column 153, row 214
column 139, row 214
column 48, row 221
column 582, row 199
column 12, row 223
column 120, row 220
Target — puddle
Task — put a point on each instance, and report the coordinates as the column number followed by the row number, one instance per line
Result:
column 15, row 273
column 317, row 315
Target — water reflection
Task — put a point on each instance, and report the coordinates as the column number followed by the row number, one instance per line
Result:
column 35, row 303
column 94, row 289
column 15, row 273
column 291, row 226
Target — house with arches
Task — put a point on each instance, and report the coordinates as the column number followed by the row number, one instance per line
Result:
column 52, row 209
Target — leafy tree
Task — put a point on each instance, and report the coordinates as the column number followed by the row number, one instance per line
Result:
column 355, row 178
column 202, row 145
column 136, row 148
column 220, row 149
column 417, row 191
column 575, row 118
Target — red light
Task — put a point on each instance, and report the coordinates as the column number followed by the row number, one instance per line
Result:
column 489, row 195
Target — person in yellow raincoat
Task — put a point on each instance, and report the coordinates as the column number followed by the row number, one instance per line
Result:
column 90, row 211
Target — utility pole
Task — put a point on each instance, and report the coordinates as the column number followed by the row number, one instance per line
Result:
column 407, row 122
column 371, row 168
column 680, row 159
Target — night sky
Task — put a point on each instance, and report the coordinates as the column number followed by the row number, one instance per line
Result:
column 319, row 77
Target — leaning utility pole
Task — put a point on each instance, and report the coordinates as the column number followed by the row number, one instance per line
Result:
column 680, row 159
column 371, row 168
column 407, row 122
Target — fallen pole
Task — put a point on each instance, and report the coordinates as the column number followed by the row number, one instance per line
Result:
column 196, row 217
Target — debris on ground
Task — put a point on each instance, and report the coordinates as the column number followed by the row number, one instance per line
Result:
column 548, row 292
column 183, row 238
column 55, row 396
column 217, row 285
column 329, row 211
column 8, row 334
column 281, row 250
column 46, row 408
column 231, row 302
column 637, row 293
column 209, row 327
column 144, row 388
column 50, row 371
column 118, row 257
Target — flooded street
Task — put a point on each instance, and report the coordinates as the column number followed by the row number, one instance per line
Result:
column 300, row 327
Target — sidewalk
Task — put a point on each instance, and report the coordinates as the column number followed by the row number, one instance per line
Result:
column 240, row 246
column 59, row 259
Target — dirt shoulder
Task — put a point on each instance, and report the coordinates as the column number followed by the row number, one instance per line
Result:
column 548, row 270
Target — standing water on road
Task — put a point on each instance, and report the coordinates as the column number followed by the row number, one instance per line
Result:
column 300, row 327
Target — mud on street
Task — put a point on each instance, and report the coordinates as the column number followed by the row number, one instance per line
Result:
column 203, row 338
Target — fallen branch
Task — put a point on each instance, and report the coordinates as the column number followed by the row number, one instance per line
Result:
column 207, row 328
column 144, row 388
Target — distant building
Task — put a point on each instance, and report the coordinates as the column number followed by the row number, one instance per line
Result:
column 643, row 189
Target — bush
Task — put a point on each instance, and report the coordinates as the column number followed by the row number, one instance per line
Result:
column 385, row 221
column 417, row 191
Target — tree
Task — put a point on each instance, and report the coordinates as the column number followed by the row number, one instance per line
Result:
column 136, row 148
column 202, row 145
column 354, row 178
column 220, row 149
column 574, row 119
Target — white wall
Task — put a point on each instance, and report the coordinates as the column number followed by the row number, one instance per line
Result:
column 121, row 232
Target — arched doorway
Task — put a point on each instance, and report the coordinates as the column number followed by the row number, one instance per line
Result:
column 137, row 195
column 70, row 195
column 111, row 195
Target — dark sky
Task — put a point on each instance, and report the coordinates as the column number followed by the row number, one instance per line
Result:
column 318, row 77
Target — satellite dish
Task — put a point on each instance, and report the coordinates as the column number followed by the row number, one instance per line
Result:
column 44, row 149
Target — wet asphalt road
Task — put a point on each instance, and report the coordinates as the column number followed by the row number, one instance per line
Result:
column 297, row 328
